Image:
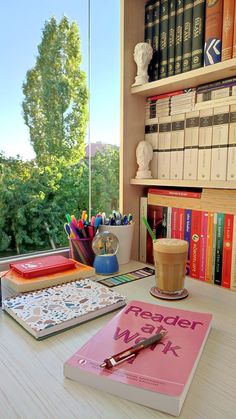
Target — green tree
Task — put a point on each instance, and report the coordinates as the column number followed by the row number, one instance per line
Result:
column 56, row 96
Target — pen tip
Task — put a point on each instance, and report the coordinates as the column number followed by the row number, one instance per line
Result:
column 103, row 365
column 163, row 333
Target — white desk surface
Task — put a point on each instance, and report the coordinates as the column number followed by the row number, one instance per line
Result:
column 31, row 372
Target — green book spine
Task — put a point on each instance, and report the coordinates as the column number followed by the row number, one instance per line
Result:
column 219, row 248
column 163, row 71
column 187, row 35
column 148, row 30
column 171, row 38
column 179, row 36
column 155, row 40
column 198, row 33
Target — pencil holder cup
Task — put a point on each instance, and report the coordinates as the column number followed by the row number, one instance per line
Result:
column 124, row 233
column 81, row 250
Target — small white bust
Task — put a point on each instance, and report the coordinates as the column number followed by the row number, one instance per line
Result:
column 142, row 56
column 144, row 155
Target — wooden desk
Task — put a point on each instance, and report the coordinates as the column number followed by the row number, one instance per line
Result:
column 31, row 372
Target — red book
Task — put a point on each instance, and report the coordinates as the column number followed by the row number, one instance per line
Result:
column 213, row 32
column 180, row 224
column 174, row 218
column 227, row 250
column 203, row 246
column 160, row 375
column 175, row 192
column 195, row 244
column 228, row 29
column 31, row 268
column 163, row 95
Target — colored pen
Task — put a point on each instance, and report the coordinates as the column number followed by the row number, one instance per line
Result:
column 132, row 351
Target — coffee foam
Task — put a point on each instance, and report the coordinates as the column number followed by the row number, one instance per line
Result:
column 170, row 245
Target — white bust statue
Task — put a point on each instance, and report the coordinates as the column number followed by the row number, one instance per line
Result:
column 144, row 155
column 142, row 56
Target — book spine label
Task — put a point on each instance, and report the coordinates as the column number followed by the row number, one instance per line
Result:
column 187, row 35
column 234, row 34
column 171, row 39
column 198, row 33
column 227, row 250
column 220, row 143
column 155, row 40
column 143, row 230
column 174, row 217
column 163, row 39
column 179, row 36
column 191, row 145
column 219, row 248
column 233, row 263
column 205, row 141
column 213, row 32
column 231, row 166
column 195, row 244
column 148, row 25
column 228, row 28
column 164, row 147
column 169, row 221
column 209, row 247
column 202, row 271
column 187, row 235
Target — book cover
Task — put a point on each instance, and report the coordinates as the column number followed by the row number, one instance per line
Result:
column 213, row 32
column 228, row 29
column 195, row 244
column 45, row 312
column 155, row 40
column 219, row 248
column 209, row 247
column 220, row 143
column 148, row 25
column 179, row 36
column 187, row 35
column 231, row 160
column 171, row 38
column 203, row 246
column 175, row 192
column 159, row 376
column 164, row 138
column 227, row 250
column 143, row 230
column 191, row 141
column 16, row 283
column 198, row 33
column 187, row 235
column 154, row 218
column 205, row 143
column 31, row 268
column 163, row 71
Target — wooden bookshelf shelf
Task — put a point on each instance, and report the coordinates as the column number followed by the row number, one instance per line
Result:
column 185, row 183
column 189, row 79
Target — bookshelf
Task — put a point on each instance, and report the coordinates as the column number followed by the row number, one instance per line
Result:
column 133, row 117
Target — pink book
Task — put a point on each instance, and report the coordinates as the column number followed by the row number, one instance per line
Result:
column 174, row 220
column 160, row 375
column 227, row 250
column 203, row 248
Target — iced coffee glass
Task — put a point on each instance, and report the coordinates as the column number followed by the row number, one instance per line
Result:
column 170, row 257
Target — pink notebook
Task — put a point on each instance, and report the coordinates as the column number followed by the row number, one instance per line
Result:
column 159, row 377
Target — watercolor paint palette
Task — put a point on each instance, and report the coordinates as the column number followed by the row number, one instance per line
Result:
column 127, row 277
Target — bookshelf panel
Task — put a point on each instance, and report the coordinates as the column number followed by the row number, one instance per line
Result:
column 186, row 183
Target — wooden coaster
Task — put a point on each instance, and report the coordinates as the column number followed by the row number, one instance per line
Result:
column 154, row 291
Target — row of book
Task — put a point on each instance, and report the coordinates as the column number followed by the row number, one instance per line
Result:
column 211, row 237
column 171, row 103
column 187, row 34
column 196, row 145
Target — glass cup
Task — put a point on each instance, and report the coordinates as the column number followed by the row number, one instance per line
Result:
column 170, row 257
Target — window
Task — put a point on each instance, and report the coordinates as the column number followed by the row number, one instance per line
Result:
column 59, row 121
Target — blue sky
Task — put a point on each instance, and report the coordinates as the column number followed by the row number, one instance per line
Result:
column 20, row 31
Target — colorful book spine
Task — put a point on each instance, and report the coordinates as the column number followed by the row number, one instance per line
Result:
column 228, row 28
column 187, row 235
column 203, row 246
column 179, row 36
column 163, row 71
column 148, row 24
column 214, row 248
column 209, row 247
column 198, row 33
column 187, row 35
column 234, row 34
column 195, row 244
column 213, row 32
column 219, row 248
column 174, row 217
column 227, row 250
column 171, row 39
column 155, row 40
column 180, row 224
column 233, row 263
column 169, row 221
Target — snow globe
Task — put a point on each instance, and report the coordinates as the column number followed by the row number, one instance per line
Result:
column 105, row 246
